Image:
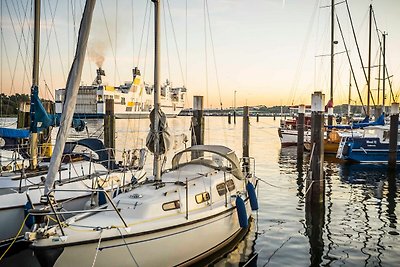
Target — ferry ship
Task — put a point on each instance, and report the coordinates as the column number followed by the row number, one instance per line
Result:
column 131, row 100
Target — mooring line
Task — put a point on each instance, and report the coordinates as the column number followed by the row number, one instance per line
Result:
column 276, row 251
column 276, row 185
column 97, row 249
column 249, row 260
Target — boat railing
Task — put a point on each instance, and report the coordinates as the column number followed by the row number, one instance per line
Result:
column 54, row 208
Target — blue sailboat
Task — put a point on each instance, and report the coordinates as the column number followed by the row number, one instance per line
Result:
column 372, row 147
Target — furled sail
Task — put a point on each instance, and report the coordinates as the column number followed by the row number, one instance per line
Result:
column 72, row 87
column 164, row 136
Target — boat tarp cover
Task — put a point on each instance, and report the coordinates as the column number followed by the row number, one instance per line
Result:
column 222, row 151
column 164, row 136
column 97, row 146
column 14, row 133
column 379, row 121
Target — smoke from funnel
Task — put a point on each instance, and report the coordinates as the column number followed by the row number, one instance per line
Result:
column 96, row 53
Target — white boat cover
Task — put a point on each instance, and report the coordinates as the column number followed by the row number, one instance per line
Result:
column 222, row 151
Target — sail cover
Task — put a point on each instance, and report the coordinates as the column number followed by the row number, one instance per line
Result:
column 164, row 136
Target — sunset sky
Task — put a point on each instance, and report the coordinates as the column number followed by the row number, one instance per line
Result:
column 268, row 51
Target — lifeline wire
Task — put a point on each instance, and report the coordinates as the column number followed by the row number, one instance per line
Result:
column 130, row 252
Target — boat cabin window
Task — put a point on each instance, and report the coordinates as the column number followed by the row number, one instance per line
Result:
column 202, row 197
column 171, row 205
column 231, row 185
column 123, row 101
column 221, row 188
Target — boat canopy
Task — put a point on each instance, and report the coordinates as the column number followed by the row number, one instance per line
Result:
column 222, row 151
column 365, row 123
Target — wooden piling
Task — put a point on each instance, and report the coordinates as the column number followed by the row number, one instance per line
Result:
column 317, row 192
column 109, row 128
column 234, row 116
column 23, row 119
column 258, row 119
column 394, row 126
column 229, row 118
column 300, row 131
column 246, row 139
column 197, row 124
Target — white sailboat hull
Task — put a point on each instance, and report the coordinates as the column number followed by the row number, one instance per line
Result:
column 160, row 247
column 13, row 194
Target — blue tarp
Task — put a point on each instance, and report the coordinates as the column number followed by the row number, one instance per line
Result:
column 379, row 121
column 14, row 133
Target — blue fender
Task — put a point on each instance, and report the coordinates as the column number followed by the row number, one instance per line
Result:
column 102, row 198
column 241, row 211
column 252, row 195
column 30, row 221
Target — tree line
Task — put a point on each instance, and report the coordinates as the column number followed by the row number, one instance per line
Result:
column 9, row 104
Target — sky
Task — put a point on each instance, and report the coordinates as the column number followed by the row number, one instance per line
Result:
column 264, row 52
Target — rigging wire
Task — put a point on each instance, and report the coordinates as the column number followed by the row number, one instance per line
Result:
column 1, row 59
column 143, row 29
column 303, row 52
column 47, row 51
column 351, row 65
column 19, row 52
column 176, row 43
column 214, row 57
column 109, row 38
column 133, row 34
column 116, row 42
column 147, row 41
column 26, row 59
column 166, row 41
column 186, row 42
column 381, row 51
column 56, row 38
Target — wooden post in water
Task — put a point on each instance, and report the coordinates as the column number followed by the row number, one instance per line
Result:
column 258, row 119
column 109, row 128
column 300, row 132
column 234, row 116
column 316, row 193
column 394, row 126
column 197, row 124
column 315, row 185
column 246, row 139
column 23, row 119
column 229, row 118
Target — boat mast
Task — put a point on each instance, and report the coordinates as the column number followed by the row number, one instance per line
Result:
column 157, row 158
column 71, row 94
column 349, row 103
column 369, row 60
column 33, row 144
column 384, row 69
column 332, row 55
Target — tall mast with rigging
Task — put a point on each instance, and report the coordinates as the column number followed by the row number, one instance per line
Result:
column 330, row 119
column 157, row 157
column 33, row 145
column 369, row 60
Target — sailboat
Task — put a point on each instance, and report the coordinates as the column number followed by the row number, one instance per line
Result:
column 22, row 188
column 175, row 217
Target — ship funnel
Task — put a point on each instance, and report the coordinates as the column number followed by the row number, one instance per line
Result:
column 135, row 72
column 98, row 80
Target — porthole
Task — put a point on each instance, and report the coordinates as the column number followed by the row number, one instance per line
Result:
column 202, row 197
column 221, row 188
column 171, row 205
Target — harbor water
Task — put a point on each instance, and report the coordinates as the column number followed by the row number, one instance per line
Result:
column 357, row 228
